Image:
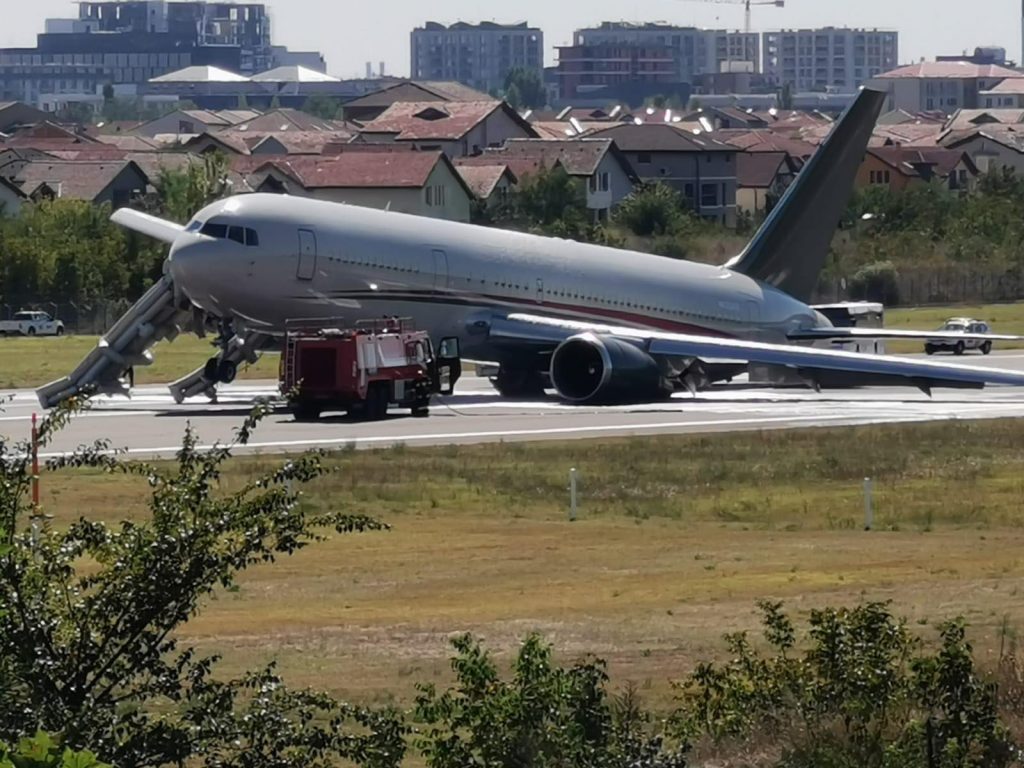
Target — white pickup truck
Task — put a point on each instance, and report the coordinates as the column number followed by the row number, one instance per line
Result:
column 31, row 324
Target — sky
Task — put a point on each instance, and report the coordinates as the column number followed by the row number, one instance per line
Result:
column 351, row 33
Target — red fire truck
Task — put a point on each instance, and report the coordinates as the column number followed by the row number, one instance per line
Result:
column 365, row 369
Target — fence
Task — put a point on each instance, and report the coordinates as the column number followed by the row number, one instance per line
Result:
column 952, row 285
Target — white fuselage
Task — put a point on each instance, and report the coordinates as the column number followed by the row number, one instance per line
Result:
column 325, row 260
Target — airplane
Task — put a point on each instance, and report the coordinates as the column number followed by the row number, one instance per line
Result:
column 597, row 324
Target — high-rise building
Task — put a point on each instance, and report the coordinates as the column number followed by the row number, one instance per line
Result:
column 126, row 43
column 829, row 58
column 477, row 55
column 696, row 51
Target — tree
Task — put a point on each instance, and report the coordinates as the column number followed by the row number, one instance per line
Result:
column 322, row 106
column 89, row 632
column 550, row 196
column 651, row 209
column 529, row 90
column 182, row 194
column 44, row 751
column 544, row 716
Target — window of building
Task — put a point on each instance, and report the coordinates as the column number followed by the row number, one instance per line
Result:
column 709, row 195
column 605, row 182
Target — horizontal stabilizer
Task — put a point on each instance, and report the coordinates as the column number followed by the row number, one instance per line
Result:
column 839, row 334
column 143, row 223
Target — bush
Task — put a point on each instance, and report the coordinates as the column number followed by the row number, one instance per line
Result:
column 652, row 209
column 876, row 282
column 43, row 751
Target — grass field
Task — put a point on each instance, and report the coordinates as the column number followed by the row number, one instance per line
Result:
column 28, row 363
column 33, row 362
column 678, row 537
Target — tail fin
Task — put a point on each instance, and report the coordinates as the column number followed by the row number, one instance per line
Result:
column 789, row 249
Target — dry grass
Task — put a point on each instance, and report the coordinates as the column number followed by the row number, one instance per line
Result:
column 679, row 537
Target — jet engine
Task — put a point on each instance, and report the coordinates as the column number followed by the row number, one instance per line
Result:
column 589, row 368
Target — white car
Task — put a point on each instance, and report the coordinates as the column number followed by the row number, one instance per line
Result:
column 963, row 325
column 31, row 324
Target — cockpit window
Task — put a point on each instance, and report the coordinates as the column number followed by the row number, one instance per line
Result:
column 195, row 226
column 219, row 231
column 241, row 235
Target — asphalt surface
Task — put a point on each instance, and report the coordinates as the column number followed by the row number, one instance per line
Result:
column 151, row 425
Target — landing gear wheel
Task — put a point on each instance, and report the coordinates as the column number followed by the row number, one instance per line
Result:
column 519, row 383
column 986, row 348
column 959, row 349
column 211, row 369
column 227, row 372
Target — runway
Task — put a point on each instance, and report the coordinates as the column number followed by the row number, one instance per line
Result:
column 150, row 424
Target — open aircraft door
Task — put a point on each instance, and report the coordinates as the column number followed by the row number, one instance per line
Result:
column 440, row 269
column 307, row 254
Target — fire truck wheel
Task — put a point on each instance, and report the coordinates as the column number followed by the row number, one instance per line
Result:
column 227, row 371
column 306, row 412
column 421, row 409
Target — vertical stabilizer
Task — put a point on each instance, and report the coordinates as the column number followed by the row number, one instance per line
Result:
column 789, row 249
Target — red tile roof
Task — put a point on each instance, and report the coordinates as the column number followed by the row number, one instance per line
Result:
column 579, row 157
column 76, row 180
column 766, row 141
column 442, row 120
column 359, row 169
column 661, row 137
column 482, row 179
column 904, row 159
column 950, row 70
column 759, row 170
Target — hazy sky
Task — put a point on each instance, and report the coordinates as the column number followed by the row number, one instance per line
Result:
column 351, row 33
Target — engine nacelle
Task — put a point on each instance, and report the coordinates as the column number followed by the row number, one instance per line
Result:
column 599, row 369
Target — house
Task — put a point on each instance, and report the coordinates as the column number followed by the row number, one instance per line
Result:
column 457, row 128
column 762, row 178
column 420, row 183
column 598, row 163
column 728, row 118
column 291, row 121
column 940, row 85
column 371, row 106
column 966, row 119
column 192, row 122
column 1009, row 94
column 701, row 168
column 11, row 198
column 900, row 167
column 992, row 148
column 98, row 181
column 767, row 141
column 14, row 114
column 491, row 184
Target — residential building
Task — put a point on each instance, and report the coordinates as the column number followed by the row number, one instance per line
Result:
column 982, row 55
column 372, row 105
column 762, row 178
column 191, row 122
column 1007, row 94
column 126, row 43
column 701, row 168
column 944, row 86
column 98, row 181
column 829, row 58
column 11, row 198
column 457, row 128
column 420, row 183
column 900, row 167
column 992, row 148
column 602, row 168
column 491, row 184
column 14, row 114
column 695, row 51
column 478, row 55
column 612, row 67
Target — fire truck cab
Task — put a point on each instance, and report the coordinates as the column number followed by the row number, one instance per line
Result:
column 365, row 369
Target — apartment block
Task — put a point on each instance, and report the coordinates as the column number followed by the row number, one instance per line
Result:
column 477, row 55
column 830, row 58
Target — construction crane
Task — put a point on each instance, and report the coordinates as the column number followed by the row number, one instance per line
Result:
column 746, row 5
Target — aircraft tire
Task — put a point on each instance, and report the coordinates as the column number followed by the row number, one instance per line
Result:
column 227, row 372
column 210, row 370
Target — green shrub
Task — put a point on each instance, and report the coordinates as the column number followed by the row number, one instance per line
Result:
column 652, row 209
column 876, row 282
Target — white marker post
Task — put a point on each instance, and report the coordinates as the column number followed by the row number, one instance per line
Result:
column 572, row 495
column 869, row 512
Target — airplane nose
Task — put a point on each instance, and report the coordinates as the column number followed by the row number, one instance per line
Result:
column 192, row 268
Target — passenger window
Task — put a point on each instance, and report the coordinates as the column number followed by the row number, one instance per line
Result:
column 237, row 234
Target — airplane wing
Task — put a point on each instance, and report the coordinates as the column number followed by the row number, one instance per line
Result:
column 840, row 334
column 159, row 229
column 818, row 367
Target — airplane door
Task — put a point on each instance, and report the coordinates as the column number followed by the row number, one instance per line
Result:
column 307, row 254
column 440, row 269
column 540, row 291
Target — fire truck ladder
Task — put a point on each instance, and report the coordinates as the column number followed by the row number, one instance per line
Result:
column 159, row 315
